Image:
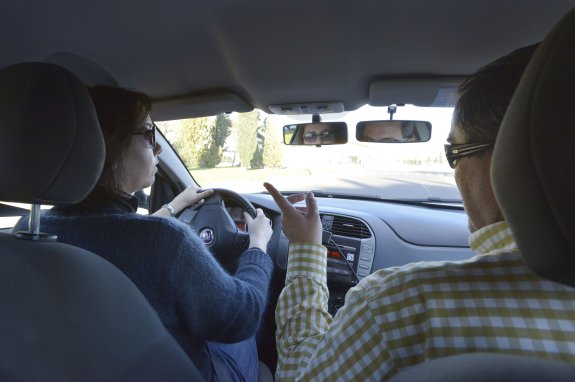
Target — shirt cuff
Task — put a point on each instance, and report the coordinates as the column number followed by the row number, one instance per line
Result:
column 307, row 260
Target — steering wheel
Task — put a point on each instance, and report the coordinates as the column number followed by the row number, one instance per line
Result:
column 215, row 227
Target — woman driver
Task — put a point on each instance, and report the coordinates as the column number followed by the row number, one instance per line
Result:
column 213, row 315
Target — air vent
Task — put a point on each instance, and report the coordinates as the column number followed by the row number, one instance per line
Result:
column 349, row 227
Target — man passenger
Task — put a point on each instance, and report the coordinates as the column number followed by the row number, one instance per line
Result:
column 400, row 317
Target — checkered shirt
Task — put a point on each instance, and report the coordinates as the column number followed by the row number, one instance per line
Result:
column 402, row 316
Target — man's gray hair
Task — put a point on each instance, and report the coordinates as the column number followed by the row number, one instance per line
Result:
column 484, row 97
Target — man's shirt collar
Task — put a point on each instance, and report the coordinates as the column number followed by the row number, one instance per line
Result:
column 493, row 237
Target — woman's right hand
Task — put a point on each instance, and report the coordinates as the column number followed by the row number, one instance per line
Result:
column 189, row 197
column 186, row 198
column 259, row 229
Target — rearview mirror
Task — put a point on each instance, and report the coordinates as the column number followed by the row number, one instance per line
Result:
column 318, row 133
column 393, row 131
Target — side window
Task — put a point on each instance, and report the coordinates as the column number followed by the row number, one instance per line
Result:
column 144, row 201
column 10, row 213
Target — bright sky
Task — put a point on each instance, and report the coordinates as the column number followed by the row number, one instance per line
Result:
column 370, row 154
column 440, row 118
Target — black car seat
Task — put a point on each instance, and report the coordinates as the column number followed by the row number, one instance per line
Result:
column 66, row 314
column 532, row 176
column 533, row 171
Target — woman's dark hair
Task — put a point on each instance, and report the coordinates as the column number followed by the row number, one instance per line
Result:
column 120, row 112
column 484, row 97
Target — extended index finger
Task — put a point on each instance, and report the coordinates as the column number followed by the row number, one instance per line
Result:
column 311, row 204
column 281, row 201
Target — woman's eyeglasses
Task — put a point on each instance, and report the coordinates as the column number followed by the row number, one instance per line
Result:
column 149, row 135
column 455, row 152
column 311, row 136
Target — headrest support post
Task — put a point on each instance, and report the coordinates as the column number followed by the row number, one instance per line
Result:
column 33, row 232
column 34, row 219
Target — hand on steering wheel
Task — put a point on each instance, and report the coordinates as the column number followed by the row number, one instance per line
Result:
column 189, row 197
column 259, row 229
column 219, row 232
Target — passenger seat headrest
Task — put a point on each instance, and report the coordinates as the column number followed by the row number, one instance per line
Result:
column 52, row 146
column 533, row 164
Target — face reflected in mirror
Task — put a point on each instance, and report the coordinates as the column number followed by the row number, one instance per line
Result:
column 393, row 131
column 374, row 132
column 317, row 134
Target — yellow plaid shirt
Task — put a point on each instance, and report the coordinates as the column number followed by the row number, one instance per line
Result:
column 403, row 316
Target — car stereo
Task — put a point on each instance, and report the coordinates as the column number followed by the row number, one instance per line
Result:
column 350, row 249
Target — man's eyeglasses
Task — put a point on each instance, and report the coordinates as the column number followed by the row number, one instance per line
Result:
column 325, row 135
column 149, row 135
column 455, row 152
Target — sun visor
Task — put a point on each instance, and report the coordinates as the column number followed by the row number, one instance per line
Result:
column 199, row 105
column 308, row 108
column 437, row 92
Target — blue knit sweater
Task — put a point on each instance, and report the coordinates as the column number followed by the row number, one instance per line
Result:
column 194, row 296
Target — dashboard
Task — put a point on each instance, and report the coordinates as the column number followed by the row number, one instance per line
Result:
column 365, row 236
column 236, row 213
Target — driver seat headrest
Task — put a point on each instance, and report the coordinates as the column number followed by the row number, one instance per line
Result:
column 53, row 149
column 532, row 168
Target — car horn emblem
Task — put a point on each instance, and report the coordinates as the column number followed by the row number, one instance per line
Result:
column 207, row 236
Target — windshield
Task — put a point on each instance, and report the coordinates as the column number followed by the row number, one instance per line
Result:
column 240, row 151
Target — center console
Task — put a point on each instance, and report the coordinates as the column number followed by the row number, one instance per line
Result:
column 350, row 255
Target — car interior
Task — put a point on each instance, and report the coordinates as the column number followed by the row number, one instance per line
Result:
column 69, row 315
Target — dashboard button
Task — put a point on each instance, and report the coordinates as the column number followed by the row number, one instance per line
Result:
column 366, row 248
